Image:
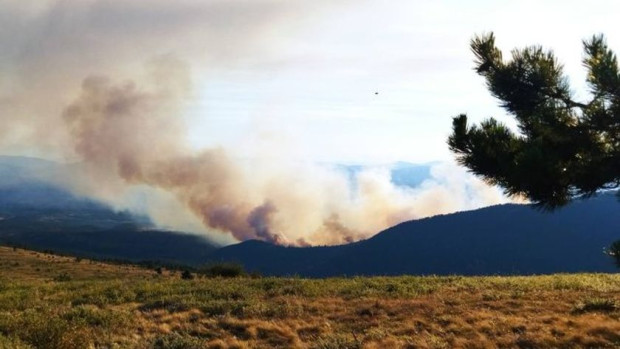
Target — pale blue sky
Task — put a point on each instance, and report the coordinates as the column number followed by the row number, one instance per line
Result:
column 313, row 90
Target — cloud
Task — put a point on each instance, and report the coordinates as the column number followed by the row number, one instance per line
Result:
column 127, row 134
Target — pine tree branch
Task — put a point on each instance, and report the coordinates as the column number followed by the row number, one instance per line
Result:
column 573, row 104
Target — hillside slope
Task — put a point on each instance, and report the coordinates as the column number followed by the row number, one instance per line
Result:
column 39, row 215
column 499, row 240
column 53, row 302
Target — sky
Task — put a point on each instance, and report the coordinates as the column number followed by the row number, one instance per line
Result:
column 212, row 115
column 296, row 75
column 317, row 90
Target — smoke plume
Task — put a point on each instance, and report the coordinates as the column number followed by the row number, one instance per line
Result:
column 127, row 134
column 130, row 132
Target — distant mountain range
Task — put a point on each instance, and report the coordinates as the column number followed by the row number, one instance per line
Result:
column 39, row 215
column 499, row 240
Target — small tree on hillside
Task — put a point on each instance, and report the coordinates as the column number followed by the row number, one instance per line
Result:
column 187, row 275
column 614, row 252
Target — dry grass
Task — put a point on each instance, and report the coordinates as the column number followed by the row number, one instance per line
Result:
column 110, row 306
column 31, row 265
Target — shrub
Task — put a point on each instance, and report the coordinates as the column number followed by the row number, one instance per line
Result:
column 172, row 306
column 226, row 270
column 177, row 341
column 614, row 252
column 187, row 275
column 339, row 341
column 12, row 343
column 64, row 276
column 596, row 305
column 50, row 331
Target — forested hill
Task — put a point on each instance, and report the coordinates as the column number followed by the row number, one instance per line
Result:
column 499, row 240
column 506, row 239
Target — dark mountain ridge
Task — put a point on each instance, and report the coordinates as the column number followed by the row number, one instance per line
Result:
column 499, row 240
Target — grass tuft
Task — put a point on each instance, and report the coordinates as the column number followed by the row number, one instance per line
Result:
column 603, row 305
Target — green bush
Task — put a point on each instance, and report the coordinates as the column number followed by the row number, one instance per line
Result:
column 12, row 343
column 172, row 306
column 177, row 341
column 603, row 305
column 50, row 331
column 337, row 341
column 187, row 275
column 95, row 317
column 226, row 270
column 62, row 277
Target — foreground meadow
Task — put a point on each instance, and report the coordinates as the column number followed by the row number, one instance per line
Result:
column 50, row 301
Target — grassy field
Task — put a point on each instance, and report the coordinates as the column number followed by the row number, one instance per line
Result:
column 59, row 302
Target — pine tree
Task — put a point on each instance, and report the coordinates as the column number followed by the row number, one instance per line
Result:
column 563, row 148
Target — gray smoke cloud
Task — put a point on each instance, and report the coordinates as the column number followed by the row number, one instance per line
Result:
column 129, row 134
column 49, row 46
column 106, row 84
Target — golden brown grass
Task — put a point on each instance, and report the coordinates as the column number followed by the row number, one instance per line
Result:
column 32, row 265
column 111, row 306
